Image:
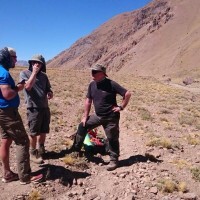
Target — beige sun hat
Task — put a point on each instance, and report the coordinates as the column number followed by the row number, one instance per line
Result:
column 99, row 67
column 38, row 58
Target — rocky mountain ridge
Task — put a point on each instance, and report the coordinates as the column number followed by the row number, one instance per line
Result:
column 22, row 63
column 158, row 39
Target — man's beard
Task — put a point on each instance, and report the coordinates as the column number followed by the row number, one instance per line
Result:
column 13, row 64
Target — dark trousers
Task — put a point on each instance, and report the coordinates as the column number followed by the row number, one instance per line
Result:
column 111, row 128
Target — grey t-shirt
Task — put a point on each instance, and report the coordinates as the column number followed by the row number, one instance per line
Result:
column 103, row 94
column 37, row 96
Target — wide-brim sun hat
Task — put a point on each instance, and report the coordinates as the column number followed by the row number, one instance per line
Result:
column 38, row 58
column 100, row 68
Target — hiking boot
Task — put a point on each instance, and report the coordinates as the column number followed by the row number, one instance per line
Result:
column 36, row 157
column 112, row 165
column 33, row 179
column 9, row 177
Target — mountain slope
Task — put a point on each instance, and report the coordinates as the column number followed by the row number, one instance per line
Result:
column 160, row 39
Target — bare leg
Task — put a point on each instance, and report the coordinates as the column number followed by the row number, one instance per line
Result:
column 33, row 142
column 34, row 155
column 41, row 138
column 4, row 153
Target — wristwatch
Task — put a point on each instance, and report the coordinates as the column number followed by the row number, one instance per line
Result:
column 121, row 108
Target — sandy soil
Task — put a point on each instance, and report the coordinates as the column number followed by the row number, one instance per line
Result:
column 157, row 171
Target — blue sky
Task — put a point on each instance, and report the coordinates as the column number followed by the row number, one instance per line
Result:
column 48, row 27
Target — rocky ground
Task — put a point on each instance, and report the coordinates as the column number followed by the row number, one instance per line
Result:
column 159, row 139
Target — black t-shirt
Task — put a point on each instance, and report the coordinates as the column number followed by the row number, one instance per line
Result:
column 103, row 94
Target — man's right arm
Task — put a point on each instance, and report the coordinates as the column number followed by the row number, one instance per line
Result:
column 88, row 103
column 7, row 92
column 31, row 81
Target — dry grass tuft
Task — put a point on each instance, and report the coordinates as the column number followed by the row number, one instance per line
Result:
column 180, row 163
column 69, row 160
column 182, row 187
column 35, row 195
column 193, row 139
column 170, row 186
column 187, row 119
column 67, row 142
column 145, row 114
column 196, row 173
column 163, row 142
column 76, row 161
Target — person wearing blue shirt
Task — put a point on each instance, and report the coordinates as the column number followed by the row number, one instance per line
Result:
column 11, row 125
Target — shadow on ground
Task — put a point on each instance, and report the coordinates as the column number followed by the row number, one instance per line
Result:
column 65, row 176
column 91, row 157
column 54, row 155
column 137, row 159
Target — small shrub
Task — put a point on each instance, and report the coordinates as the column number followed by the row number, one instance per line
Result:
column 163, row 142
column 196, row 173
column 69, row 160
column 186, row 119
column 76, row 161
column 67, row 142
column 197, row 125
column 165, row 111
column 193, row 139
column 182, row 187
column 167, row 186
column 180, row 163
column 162, row 119
column 170, row 186
column 145, row 114
column 35, row 195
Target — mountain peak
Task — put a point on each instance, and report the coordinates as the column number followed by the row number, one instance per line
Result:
column 148, row 41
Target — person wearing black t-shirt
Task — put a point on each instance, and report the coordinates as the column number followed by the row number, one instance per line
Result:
column 102, row 93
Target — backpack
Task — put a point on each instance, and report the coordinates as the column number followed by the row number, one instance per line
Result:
column 93, row 144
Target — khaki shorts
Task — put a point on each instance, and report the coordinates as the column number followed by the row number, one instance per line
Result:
column 38, row 120
column 11, row 125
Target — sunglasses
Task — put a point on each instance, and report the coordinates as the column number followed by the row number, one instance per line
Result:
column 36, row 62
column 95, row 71
column 14, row 56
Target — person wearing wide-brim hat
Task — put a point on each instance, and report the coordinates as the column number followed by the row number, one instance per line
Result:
column 40, row 59
column 37, row 93
column 102, row 92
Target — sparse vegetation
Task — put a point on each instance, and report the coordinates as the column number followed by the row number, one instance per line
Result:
column 145, row 114
column 180, row 163
column 193, row 139
column 165, row 111
column 170, row 186
column 163, row 142
column 76, row 161
column 69, row 160
column 35, row 195
column 156, row 116
column 196, row 173
column 186, row 119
